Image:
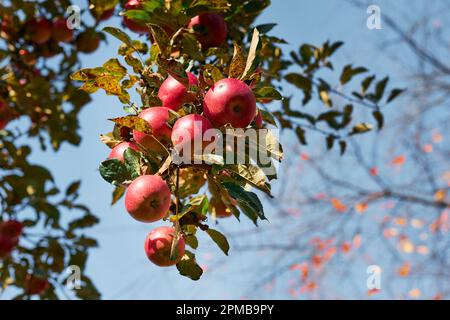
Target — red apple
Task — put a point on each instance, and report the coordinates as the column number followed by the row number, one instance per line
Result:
column 219, row 207
column 60, row 31
column 117, row 151
column 158, row 245
column 259, row 120
column 7, row 244
column 10, row 232
column 211, row 29
column 173, row 93
column 148, row 198
column 88, row 41
column 133, row 25
column 191, row 130
column 11, row 228
column 157, row 118
column 35, row 284
column 39, row 30
column 230, row 101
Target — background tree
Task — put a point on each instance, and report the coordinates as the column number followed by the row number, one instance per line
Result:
column 386, row 202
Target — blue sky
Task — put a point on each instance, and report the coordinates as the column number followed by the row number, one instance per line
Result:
column 119, row 266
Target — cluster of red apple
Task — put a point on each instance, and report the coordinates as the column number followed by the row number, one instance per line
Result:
column 47, row 36
column 148, row 198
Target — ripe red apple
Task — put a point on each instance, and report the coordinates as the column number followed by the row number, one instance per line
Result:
column 10, row 232
column 230, row 101
column 148, row 198
column 117, row 151
column 220, row 208
column 11, row 228
column 133, row 25
column 7, row 244
column 39, row 30
column 88, row 41
column 211, row 29
column 259, row 120
column 173, row 93
column 60, row 31
column 191, row 129
column 35, row 284
column 158, row 245
column 157, row 118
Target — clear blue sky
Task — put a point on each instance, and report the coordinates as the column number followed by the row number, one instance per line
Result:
column 119, row 266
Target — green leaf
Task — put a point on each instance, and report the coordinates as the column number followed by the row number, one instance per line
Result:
column 301, row 82
column 118, row 193
column 132, row 162
column 248, row 199
column 361, row 128
column 394, row 94
column 265, row 28
column 342, row 146
column 237, row 64
column 119, row 34
column 113, row 171
column 252, row 58
column 219, row 239
column 175, row 69
column 301, row 135
column 252, row 174
column 267, row 93
column 349, row 72
column 379, row 118
column 191, row 240
column 268, row 117
column 330, row 141
column 134, row 123
column 73, row 188
column 188, row 267
column 365, row 84
column 380, row 88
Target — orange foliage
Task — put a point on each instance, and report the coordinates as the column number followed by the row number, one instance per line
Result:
column 399, row 160
column 338, row 205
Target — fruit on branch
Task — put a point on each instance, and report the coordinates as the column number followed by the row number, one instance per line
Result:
column 173, row 93
column 134, row 25
column 117, row 151
column 60, row 31
column 157, row 118
column 35, row 284
column 39, row 30
column 230, row 101
column 10, row 232
column 259, row 120
column 189, row 132
column 88, row 41
column 219, row 208
column 148, row 198
column 211, row 29
column 158, row 246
